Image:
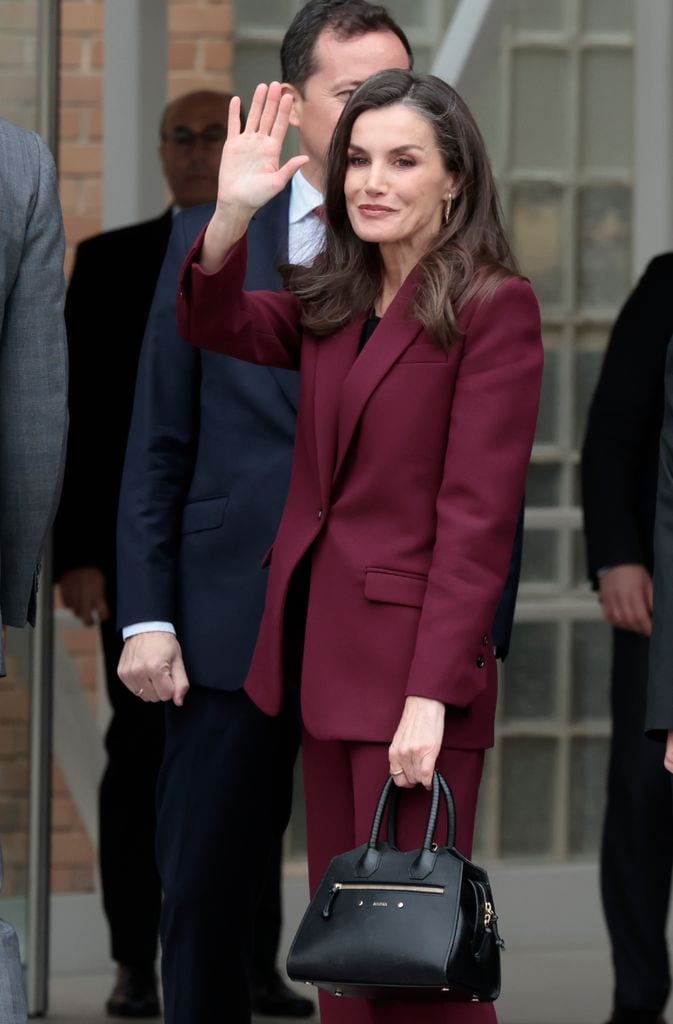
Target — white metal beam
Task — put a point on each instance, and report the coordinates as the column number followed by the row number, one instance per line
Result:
column 471, row 42
column 135, row 94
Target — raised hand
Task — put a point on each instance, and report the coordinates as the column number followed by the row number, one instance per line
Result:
column 250, row 170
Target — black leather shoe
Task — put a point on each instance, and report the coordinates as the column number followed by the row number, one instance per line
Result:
column 134, row 994
column 271, row 997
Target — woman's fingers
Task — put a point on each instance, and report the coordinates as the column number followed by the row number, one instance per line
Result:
column 270, row 110
column 256, row 108
column 234, row 117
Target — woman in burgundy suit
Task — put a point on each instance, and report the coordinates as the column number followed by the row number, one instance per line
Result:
column 420, row 355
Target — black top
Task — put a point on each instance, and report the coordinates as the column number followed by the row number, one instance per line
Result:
column 368, row 328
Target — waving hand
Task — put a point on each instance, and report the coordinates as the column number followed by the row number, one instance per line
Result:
column 250, row 170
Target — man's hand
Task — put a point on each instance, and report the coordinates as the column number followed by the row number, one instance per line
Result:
column 625, row 593
column 417, row 742
column 151, row 667
column 83, row 591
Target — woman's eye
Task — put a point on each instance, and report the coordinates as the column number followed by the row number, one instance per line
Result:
column 356, row 161
column 404, row 161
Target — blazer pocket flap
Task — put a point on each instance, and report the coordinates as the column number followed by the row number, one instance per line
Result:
column 207, row 514
column 423, row 352
column 395, row 587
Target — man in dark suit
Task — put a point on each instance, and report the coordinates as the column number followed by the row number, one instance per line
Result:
column 104, row 338
column 619, row 481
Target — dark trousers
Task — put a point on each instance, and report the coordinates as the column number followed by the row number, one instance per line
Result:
column 223, row 803
column 129, row 876
column 637, row 849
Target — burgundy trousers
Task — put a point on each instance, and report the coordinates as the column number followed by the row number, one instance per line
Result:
column 342, row 783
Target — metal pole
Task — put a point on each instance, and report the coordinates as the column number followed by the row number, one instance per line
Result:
column 41, row 662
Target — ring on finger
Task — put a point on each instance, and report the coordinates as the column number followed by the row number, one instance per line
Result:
column 398, row 771
column 140, row 692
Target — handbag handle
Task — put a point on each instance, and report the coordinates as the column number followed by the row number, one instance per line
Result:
column 450, row 813
column 371, row 858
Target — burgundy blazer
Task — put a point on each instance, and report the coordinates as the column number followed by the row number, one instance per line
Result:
column 408, row 476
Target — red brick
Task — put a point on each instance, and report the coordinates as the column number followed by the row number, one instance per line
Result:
column 182, row 55
column 218, row 56
column 81, row 16
column 70, row 848
column 63, row 814
column 95, row 123
column 15, row 706
column 14, row 777
column 97, row 54
column 13, row 814
column 13, row 740
column 69, row 191
column 15, row 847
column 197, row 21
column 85, row 89
column 71, row 52
column 70, row 121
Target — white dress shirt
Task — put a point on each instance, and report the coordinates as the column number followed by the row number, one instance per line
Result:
column 305, row 236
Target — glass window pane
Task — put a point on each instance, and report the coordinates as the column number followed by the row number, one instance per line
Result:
column 588, row 768
column 262, row 14
column 607, row 15
column 530, row 672
column 579, row 575
column 528, row 773
column 411, row 14
column 538, row 230
column 540, row 15
column 540, row 562
column 590, row 660
column 541, row 110
column 606, row 138
column 543, row 485
column 604, row 246
column 254, row 63
column 548, row 416
column 587, row 367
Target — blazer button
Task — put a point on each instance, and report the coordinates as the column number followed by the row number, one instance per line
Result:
column 484, row 640
column 319, row 513
column 481, row 661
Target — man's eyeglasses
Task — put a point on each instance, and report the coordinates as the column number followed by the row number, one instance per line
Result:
column 213, row 135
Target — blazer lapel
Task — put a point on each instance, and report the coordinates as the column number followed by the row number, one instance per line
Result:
column 334, row 357
column 393, row 335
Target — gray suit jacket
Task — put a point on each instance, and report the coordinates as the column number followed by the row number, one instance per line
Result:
column 33, row 365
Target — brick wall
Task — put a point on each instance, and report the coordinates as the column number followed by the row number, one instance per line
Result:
column 200, row 54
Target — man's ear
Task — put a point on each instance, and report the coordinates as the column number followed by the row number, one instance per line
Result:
column 295, row 113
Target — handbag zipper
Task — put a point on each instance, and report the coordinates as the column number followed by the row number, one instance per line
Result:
column 338, row 887
column 490, row 921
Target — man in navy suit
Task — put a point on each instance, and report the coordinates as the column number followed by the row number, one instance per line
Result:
column 205, row 480
column 104, row 339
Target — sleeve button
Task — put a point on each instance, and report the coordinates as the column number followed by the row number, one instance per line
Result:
column 481, row 661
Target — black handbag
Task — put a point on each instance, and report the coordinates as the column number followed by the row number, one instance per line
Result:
column 390, row 924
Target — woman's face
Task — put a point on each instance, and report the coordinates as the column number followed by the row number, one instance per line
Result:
column 396, row 185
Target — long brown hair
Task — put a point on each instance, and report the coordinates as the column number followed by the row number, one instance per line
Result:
column 469, row 256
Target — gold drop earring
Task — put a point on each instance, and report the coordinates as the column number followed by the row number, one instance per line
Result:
column 447, row 208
